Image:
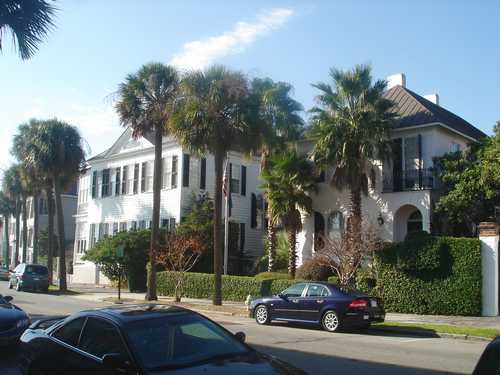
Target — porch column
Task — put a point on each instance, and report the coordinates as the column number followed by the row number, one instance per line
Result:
column 488, row 235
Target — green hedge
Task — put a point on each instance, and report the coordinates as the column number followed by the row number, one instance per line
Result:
column 444, row 278
column 234, row 288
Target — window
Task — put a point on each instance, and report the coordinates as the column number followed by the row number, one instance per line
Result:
column 142, row 224
column 43, row 210
column 335, row 224
column 234, row 176
column 133, row 225
column 143, row 177
column 115, row 228
column 315, row 290
column 411, row 154
column 164, row 223
column 100, row 337
column 414, row 223
column 455, row 147
column 243, row 180
column 123, row 226
column 203, row 173
column 105, row 183
column 174, row 171
column 172, row 223
column 136, row 179
column 185, row 170
column 124, row 179
column 92, row 235
column 70, row 332
column 117, row 181
column 94, row 184
column 294, row 290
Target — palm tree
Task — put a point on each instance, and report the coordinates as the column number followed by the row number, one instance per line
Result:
column 144, row 106
column 287, row 182
column 55, row 149
column 13, row 188
column 7, row 208
column 351, row 127
column 29, row 22
column 281, row 113
column 217, row 112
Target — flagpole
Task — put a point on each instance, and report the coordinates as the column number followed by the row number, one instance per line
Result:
column 226, row 214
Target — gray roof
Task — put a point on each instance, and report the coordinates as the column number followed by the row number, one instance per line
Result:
column 415, row 110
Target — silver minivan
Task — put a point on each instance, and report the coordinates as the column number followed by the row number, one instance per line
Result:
column 29, row 276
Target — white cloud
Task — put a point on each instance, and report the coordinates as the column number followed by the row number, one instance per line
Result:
column 198, row 54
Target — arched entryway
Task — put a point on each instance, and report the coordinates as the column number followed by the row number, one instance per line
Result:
column 407, row 218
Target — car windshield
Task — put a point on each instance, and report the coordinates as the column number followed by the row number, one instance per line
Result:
column 36, row 270
column 180, row 340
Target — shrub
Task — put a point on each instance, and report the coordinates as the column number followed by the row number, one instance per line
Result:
column 234, row 288
column 333, row 280
column 365, row 281
column 413, row 284
column 281, row 261
column 271, row 276
column 314, row 269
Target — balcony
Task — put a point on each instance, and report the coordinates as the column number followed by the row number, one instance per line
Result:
column 408, row 180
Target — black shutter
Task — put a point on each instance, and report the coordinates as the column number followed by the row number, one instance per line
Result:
column 94, row 184
column 242, row 237
column 230, row 177
column 253, row 211
column 420, row 160
column 243, row 180
column 203, row 173
column 185, row 170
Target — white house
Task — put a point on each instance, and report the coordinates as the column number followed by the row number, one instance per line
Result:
column 404, row 193
column 115, row 193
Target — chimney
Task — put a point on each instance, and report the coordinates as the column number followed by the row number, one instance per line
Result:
column 432, row 98
column 398, row 79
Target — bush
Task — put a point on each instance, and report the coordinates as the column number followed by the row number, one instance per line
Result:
column 234, row 288
column 314, row 269
column 333, row 280
column 271, row 276
column 281, row 261
column 445, row 279
column 365, row 282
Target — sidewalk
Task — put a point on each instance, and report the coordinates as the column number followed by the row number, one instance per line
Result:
column 108, row 294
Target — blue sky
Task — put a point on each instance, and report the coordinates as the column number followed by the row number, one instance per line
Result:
column 448, row 47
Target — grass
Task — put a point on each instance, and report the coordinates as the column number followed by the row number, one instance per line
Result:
column 440, row 328
column 54, row 290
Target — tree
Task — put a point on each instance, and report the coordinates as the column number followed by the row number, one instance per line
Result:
column 181, row 251
column 29, row 21
column 217, row 112
column 145, row 105
column 281, row 114
column 7, row 208
column 470, row 185
column 287, row 183
column 351, row 128
column 55, row 149
column 13, row 188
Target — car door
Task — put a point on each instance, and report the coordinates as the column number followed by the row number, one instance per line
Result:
column 285, row 307
column 312, row 302
column 99, row 337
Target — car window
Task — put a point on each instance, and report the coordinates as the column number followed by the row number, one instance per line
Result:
column 294, row 290
column 315, row 290
column 100, row 337
column 36, row 270
column 70, row 332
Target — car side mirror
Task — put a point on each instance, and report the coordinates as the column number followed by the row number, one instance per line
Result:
column 8, row 298
column 240, row 336
column 282, row 296
column 115, row 361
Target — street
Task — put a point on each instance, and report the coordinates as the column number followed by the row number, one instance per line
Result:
column 309, row 348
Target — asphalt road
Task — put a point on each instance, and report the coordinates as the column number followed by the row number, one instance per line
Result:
column 309, row 348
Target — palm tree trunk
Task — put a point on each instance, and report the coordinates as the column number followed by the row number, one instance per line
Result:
column 271, row 239
column 25, row 230
column 60, row 231
column 354, row 225
column 219, row 165
column 6, row 242
column 50, row 233
column 155, row 230
column 18, row 222
column 292, row 255
column 35, row 228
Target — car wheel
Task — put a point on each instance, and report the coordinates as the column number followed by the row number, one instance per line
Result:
column 262, row 315
column 330, row 321
column 18, row 286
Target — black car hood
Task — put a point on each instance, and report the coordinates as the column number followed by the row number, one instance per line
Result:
column 10, row 313
column 248, row 363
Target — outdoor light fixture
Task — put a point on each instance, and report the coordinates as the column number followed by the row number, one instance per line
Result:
column 380, row 219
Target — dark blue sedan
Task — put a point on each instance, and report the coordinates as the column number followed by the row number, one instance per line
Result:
column 13, row 321
column 331, row 306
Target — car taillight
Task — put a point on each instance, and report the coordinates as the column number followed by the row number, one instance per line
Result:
column 358, row 303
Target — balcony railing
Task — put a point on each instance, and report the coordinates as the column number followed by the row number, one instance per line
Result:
column 412, row 179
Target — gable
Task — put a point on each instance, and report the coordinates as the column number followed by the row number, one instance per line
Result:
column 124, row 144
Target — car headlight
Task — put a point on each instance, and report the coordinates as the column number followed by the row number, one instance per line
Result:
column 23, row 323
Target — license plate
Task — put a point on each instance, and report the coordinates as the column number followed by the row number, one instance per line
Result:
column 373, row 303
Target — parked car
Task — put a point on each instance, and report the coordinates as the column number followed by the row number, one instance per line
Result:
column 29, row 276
column 322, row 303
column 13, row 321
column 4, row 273
column 142, row 339
column 489, row 363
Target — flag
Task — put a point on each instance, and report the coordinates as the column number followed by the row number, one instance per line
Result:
column 226, row 185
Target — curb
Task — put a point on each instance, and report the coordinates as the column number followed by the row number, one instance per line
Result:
column 417, row 332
